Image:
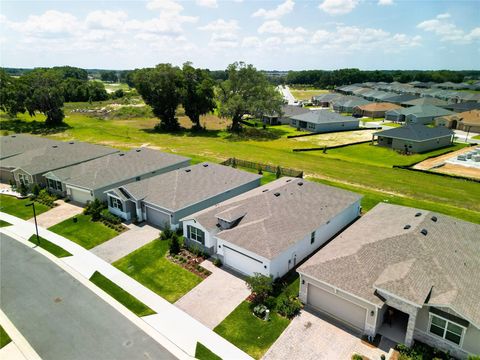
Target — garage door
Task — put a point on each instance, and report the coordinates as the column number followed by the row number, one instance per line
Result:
column 157, row 218
column 80, row 196
column 241, row 262
column 6, row 176
column 336, row 306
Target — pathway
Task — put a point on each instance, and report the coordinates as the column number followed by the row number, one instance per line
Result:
column 62, row 211
column 126, row 242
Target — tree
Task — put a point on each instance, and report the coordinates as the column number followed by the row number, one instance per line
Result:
column 174, row 244
column 110, row 76
column 161, row 88
column 246, row 91
column 261, row 286
column 12, row 94
column 198, row 93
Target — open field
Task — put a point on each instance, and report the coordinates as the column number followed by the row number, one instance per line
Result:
column 338, row 138
column 306, row 94
column 459, row 170
column 454, row 196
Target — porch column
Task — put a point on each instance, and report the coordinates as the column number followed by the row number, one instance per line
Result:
column 138, row 208
column 412, row 318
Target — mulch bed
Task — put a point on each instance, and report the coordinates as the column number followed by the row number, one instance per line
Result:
column 190, row 262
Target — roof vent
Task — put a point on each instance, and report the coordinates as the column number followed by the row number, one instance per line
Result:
column 55, row 146
column 277, row 194
column 406, row 227
column 424, row 232
column 71, row 143
column 418, row 214
column 188, row 170
column 300, row 183
column 14, row 136
column 205, row 165
column 289, row 180
column 138, row 150
column 265, row 190
column 434, row 218
column 122, row 154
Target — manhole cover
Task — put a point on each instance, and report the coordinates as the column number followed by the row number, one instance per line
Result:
column 58, row 299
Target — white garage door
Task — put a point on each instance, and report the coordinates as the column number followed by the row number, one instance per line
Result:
column 336, row 306
column 241, row 262
column 157, row 218
column 80, row 196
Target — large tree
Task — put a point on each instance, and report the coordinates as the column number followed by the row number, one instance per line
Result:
column 12, row 94
column 198, row 93
column 246, row 91
column 161, row 88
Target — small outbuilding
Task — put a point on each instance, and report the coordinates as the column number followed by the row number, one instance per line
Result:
column 320, row 121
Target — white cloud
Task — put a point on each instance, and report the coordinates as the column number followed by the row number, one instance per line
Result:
column 105, row 19
column 338, row 7
column 275, row 27
column 385, row 2
column 50, row 24
column 251, row 42
column 276, row 13
column 207, row 3
column 221, row 25
column 223, row 40
column 448, row 31
column 165, row 5
column 444, row 16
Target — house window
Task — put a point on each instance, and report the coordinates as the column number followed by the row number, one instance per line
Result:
column 116, row 203
column 311, row 126
column 446, row 329
column 312, row 238
column 55, row 185
column 23, row 179
column 196, row 234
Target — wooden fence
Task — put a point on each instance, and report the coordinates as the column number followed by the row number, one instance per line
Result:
column 263, row 167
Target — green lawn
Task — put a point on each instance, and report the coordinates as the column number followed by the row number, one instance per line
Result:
column 266, row 176
column 476, row 137
column 4, row 338
column 149, row 266
column 49, row 246
column 248, row 332
column 123, row 297
column 306, row 94
column 16, row 207
column 4, row 223
column 84, row 232
column 203, row 353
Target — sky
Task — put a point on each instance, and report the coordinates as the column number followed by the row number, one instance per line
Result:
column 271, row 35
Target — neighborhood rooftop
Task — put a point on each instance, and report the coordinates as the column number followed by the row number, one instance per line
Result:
column 322, row 117
column 415, row 132
column 418, row 255
column 275, row 216
column 15, row 144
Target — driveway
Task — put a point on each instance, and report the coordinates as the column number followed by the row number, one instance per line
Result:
column 61, row 318
column 62, row 211
column 126, row 242
column 310, row 337
column 215, row 297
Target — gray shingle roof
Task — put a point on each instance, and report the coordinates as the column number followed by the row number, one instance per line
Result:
column 426, row 110
column 111, row 169
column 61, row 154
column 398, row 99
column 19, row 143
column 416, row 132
column 291, row 110
column 276, row 215
column 178, row 189
column 378, row 251
column 323, row 116
column 425, row 101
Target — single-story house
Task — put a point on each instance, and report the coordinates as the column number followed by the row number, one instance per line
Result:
column 89, row 180
column 424, row 114
column 30, row 166
column 467, row 121
column 375, row 110
column 424, row 101
column 323, row 121
column 165, row 199
column 325, row 100
column 271, row 229
column 467, row 97
column 284, row 117
column 461, row 107
column 399, row 99
column 404, row 273
column 348, row 103
column 414, row 138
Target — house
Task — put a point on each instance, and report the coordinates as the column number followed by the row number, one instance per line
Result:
column 269, row 230
column 399, row 99
column 89, row 180
column 348, row 103
column 414, row 138
column 30, row 166
column 325, row 100
column 323, row 121
column 404, row 273
column 375, row 110
column 424, row 114
column 424, row 101
column 164, row 199
column 461, row 107
column 284, row 117
column 466, row 121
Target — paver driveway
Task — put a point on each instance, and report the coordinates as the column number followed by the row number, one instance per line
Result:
column 126, row 242
column 62, row 211
column 310, row 337
column 215, row 297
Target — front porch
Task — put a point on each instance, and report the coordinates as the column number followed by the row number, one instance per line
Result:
column 394, row 326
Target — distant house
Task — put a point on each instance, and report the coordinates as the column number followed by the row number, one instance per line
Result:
column 399, row 99
column 418, row 114
column 164, row 199
column 462, row 107
column 323, row 121
column 467, row 121
column 374, row 110
column 424, row 101
column 271, row 229
column 284, row 117
column 30, row 166
column 89, row 180
column 414, row 138
column 325, row 100
column 403, row 273
column 348, row 103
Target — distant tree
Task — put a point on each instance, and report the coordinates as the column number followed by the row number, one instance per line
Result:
column 110, row 76
column 246, row 91
column 198, row 93
column 12, row 94
column 70, row 72
column 161, row 88
column 96, row 91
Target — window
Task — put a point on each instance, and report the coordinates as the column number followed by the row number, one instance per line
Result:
column 312, row 238
column 23, row 179
column 55, row 185
column 294, row 122
column 446, row 329
column 196, row 234
column 116, row 203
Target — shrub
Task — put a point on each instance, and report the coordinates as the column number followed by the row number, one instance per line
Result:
column 174, row 245
column 271, row 302
column 289, row 306
column 36, row 190
column 94, row 209
column 45, row 198
column 110, row 218
column 260, row 311
column 357, row 357
column 217, row 262
column 261, row 286
column 167, row 233
column 23, row 189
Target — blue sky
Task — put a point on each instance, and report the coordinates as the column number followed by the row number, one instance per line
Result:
column 282, row 35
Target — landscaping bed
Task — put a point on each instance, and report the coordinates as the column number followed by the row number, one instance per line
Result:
column 191, row 262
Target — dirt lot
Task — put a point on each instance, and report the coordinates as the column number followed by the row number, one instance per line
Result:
column 458, row 170
column 431, row 163
column 212, row 122
column 338, row 138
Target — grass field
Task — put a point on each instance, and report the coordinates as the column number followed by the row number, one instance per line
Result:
column 123, row 297
column 4, row 338
column 204, row 353
column 476, row 137
column 453, row 196
column 306, row 94
column 149, row 266
column 49, row 246
column 4, row 223
column 16, row 207
column 84, row 232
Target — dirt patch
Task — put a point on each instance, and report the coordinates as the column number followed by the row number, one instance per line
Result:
column 439, row 160
column 339, row 138
column 210, row 121
column 458, row 170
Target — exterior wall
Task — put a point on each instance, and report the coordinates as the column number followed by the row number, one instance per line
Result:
column 326, row 127
column 415, row 146
column 6, row 175
column 210, row 245
column 17, row 179
column 419, row 119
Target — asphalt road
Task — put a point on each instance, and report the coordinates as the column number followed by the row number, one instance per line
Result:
column 61, row 318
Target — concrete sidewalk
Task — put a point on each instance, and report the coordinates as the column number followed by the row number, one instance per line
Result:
column 171, row 322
